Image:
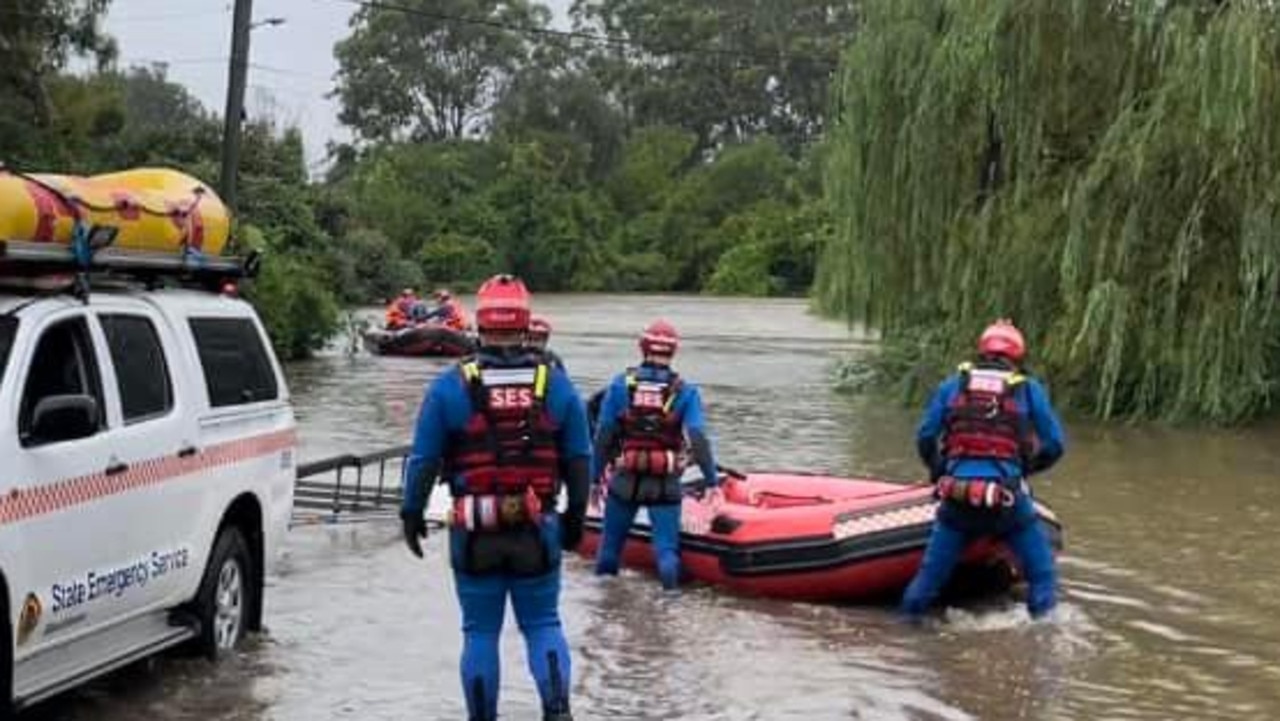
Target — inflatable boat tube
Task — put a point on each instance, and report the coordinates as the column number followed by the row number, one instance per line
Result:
column 154, row 209
column 807, row 537
column 421, row 341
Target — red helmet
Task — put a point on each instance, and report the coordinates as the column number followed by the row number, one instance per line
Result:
column 539, row 327
column 1003, row 338
column 502, row 304
column 660, row 339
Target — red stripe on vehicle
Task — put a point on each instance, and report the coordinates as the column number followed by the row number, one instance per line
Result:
column 22, row 504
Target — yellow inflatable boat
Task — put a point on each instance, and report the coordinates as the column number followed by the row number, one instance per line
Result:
column 154, row 210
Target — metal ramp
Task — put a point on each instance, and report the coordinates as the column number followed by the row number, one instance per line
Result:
column 349, row 488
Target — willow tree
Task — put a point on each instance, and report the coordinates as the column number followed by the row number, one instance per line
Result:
column 1106, row 173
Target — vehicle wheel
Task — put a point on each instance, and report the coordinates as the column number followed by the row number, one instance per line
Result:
column 227, row 593
column 6, row 674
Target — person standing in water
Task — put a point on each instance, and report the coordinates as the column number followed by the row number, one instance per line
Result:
column 645, row 416
column 499, row 428
column 986, row 429
column 540, row 336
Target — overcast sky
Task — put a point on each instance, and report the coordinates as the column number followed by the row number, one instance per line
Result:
column 295, row 60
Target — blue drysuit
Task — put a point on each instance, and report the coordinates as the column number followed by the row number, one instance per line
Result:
column 664, row 517
column 418, row 312
column 441, row 312
column 957, row 524
column 446, row 409
column 551, row 357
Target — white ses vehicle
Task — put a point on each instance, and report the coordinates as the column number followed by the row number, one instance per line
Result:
column 146, row 480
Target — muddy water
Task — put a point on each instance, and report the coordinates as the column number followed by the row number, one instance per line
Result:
column 1171, row 580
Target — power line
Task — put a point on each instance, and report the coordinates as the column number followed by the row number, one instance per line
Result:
column 598, row 38
column 163, row 16
column 289, row 72
column 176, row 61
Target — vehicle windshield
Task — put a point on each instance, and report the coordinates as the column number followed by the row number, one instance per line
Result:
column 8, row 328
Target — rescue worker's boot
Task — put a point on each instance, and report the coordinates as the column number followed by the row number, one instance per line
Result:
column 558, row 716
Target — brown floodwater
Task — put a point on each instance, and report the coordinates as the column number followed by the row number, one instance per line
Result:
column 1170, row 576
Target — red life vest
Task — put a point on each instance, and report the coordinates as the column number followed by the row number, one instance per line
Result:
column 508, row 447
column 984, row 421
column 652, row 435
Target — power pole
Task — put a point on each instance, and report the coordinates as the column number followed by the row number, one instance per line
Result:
column 239, row 70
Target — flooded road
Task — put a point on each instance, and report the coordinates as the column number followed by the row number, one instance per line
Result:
column 1171, row 576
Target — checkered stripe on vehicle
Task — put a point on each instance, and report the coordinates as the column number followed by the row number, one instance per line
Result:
column 877, row 521
column 22, row 504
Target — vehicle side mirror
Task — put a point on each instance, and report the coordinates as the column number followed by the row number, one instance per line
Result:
column 65, row 418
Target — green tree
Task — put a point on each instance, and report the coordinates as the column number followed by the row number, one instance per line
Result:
column 455, row 258
column 551, row 95
column 1104, row 173
column 415, row 71
column 37, row 38
column 727, row 71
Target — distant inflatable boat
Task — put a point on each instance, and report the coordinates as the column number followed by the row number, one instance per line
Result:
column 420, row 341
column 810, row 538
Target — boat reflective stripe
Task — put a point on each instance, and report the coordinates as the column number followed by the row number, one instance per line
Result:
column 22, row 504
column 875, row 522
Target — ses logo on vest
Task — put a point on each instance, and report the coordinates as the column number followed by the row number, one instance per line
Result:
column 509, row 397
column 648, row 399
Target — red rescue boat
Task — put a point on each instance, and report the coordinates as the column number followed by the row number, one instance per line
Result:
column 809, row 537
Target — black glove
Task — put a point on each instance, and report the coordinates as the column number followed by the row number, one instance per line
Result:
column 571, row 529
column 415, row 528
column 1040, row 462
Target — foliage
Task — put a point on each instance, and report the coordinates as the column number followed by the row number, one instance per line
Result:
column 1104, row 173
column 412, row 72
column 578, row 167
column 725, row 71
column 451, row 258
column 292, row 297
column 481, row 145
column 530, row 205
column 36, row 41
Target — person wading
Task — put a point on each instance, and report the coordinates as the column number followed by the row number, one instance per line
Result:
column 645, row 416
column 498, row 429
column 987, row 428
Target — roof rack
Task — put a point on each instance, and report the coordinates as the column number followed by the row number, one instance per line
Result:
column 28, row 262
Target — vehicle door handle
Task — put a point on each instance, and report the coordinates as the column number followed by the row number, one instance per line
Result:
column 116, row 469
column 187, row 452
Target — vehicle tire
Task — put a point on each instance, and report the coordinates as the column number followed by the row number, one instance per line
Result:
column 227, row 593
column 7, row 712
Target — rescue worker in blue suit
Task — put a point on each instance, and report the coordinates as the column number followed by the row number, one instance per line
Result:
column 539, row 337
column 985, row 430
column 503, row 429
column 645, row 416
column 448, row 311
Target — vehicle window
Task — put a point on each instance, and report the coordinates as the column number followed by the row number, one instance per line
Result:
column 237, row 369
column 8, row 329
column 142, row 374
column 63, row 364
